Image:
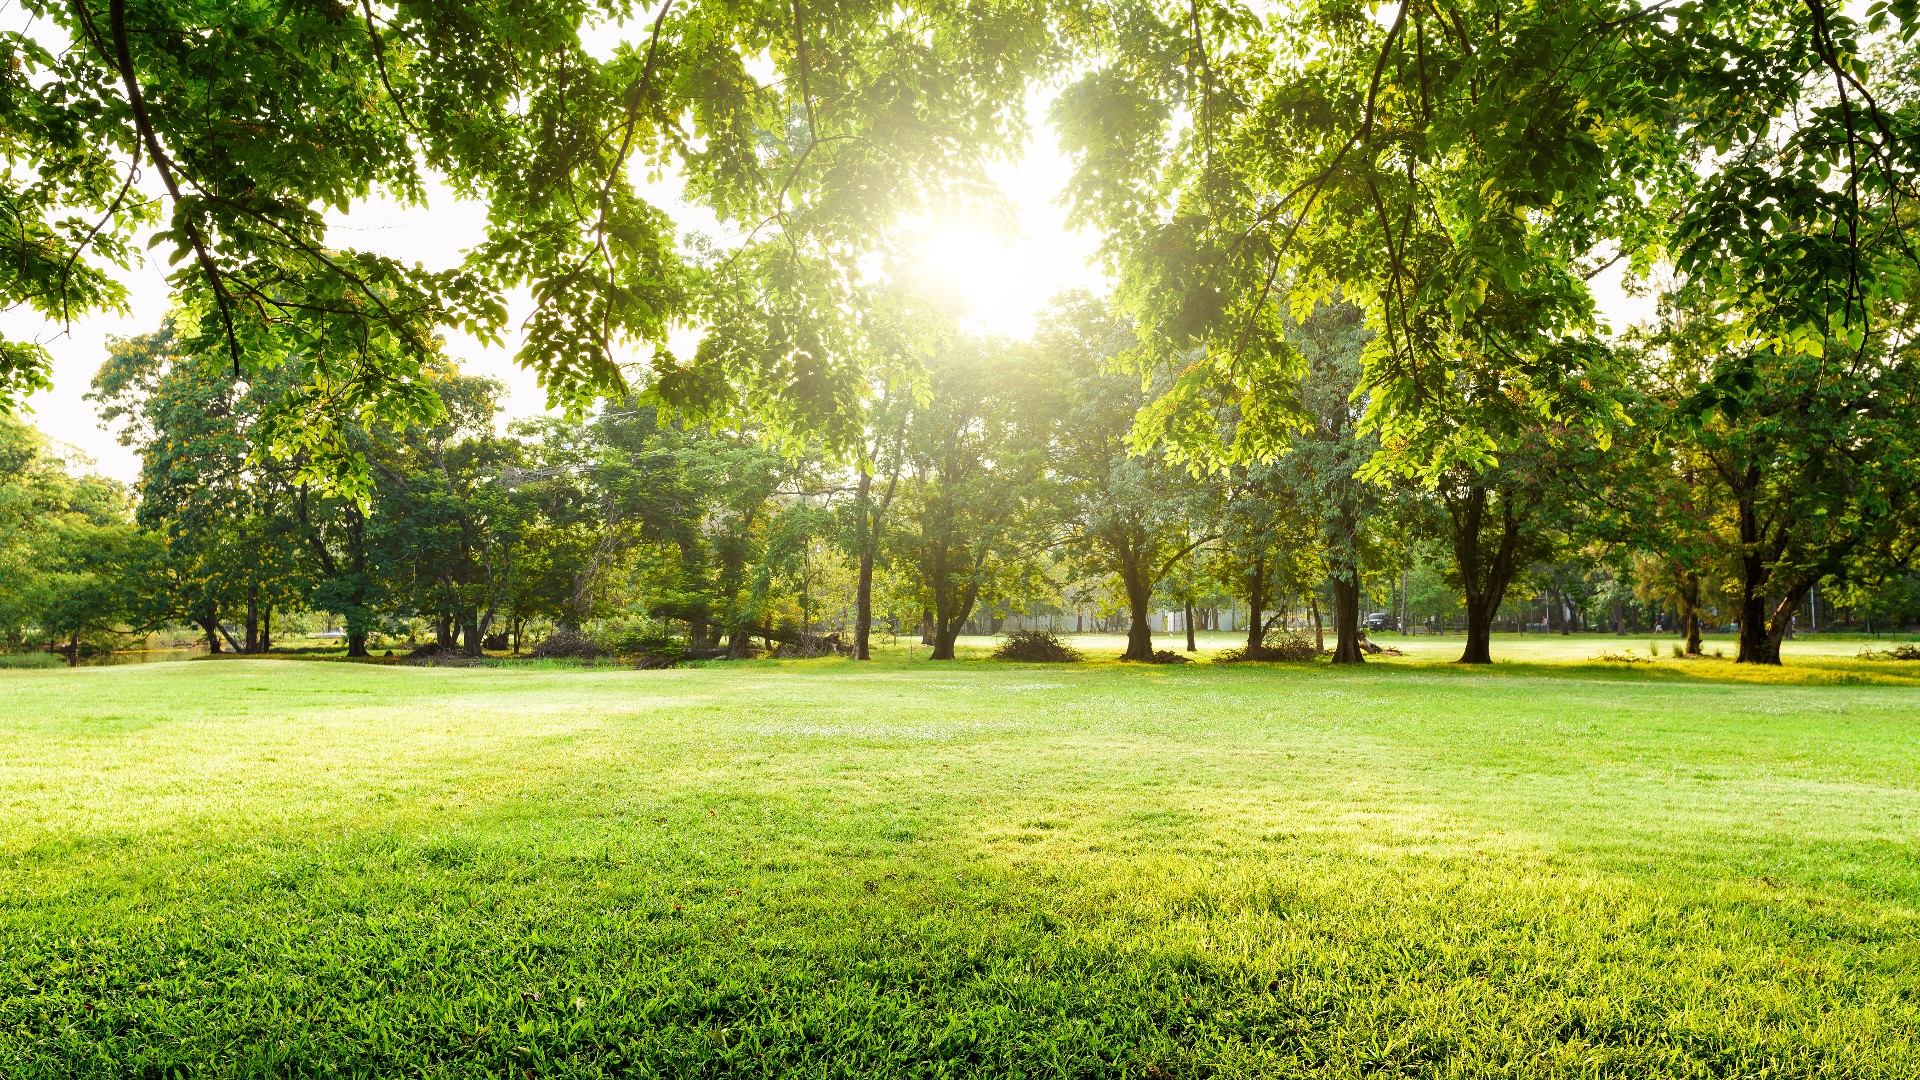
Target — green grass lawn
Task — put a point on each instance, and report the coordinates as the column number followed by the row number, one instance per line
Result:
column 288, row 868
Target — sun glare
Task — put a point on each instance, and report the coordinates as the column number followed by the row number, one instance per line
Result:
column 1003, row 280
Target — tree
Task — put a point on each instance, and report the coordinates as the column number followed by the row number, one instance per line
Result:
column 234, row 525
column 978, row 469
column 441, row 528
column 1325, row 459
column 907, row 326
column 1123, row 515
column 1812, row 458
column 233, row 129
column 69, row 553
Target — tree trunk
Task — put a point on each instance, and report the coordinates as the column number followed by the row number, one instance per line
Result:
column 470, row 632
column 1319, row 632
column 863, row 609
column 739, row 642
column 1479, row 641
column 926, row 626
column 1139, row 602
column 943, row 642
column 1756, row 644
column 1191, row 646
column 1690, row 597
column 443, row 630
column 357, row 643
column 253, row 619
column 1346, row 620
column 266, row 628
column 73, row 649
column 1483, row 583
column 1256, row 603
column 211, row 624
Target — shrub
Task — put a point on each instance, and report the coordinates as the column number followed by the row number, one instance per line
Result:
column 1036, row 647
column 1284, row 649
column 567, row 643
column 1898, row 652
column 809, row 646
column 1626, row 657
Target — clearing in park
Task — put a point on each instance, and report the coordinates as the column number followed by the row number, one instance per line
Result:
column 1545, row 869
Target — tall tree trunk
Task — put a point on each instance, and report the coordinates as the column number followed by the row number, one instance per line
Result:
column 1756, row 644
column 470, row 632
column 73, row 649
column 950, row 614
column 1759, row 639
column 1133, row 577
column 210, row 623
column 1479, row 648
column 863, row 609
column 1346, row 619
column 1690, row 598
column 863, row 590
column 1319, row 633
column 1483, row 582
column 357, row 643
column 926, row 626
column 1256, row 603
column 944, row 639
column 443, row 630
column 266, row 628
column 253, row 619
column 1191, row 646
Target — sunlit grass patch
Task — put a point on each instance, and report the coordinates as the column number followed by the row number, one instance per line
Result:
column 908, row 868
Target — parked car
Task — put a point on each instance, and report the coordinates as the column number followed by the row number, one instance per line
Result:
column 1382, row 620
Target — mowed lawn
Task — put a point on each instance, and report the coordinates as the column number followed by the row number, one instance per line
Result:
column 276, row 868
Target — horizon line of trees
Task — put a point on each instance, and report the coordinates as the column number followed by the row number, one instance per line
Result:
column 1001, row 478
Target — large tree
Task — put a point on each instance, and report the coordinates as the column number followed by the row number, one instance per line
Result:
column 977, row 448
column 1809, row 461
column 1129, row 517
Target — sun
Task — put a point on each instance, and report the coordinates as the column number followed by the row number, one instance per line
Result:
column 1003, row 278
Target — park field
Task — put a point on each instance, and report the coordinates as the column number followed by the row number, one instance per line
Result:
column 1550, row 868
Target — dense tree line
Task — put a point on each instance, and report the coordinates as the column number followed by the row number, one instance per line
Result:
column 1002, row 479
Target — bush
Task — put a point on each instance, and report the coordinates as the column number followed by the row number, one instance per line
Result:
column 1284, row 649
column 809, row 646
column 1627, row 657
column 1898, row 652
column 635, row 639
column 32, row 660
column 1036, row 647
column 567, row 643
